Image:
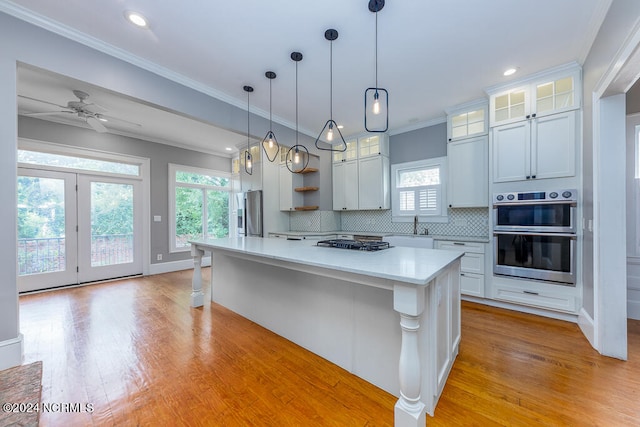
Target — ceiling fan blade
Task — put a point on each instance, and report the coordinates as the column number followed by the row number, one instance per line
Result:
column 116, row 120
column 96, row 125
column 44, row 102
column 48, row 113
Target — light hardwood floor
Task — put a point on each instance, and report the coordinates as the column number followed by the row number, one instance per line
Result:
column 138, row 353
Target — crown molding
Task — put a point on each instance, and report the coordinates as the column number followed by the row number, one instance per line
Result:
column 418, row 125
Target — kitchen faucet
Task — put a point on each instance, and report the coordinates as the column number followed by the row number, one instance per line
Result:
column 415, row 224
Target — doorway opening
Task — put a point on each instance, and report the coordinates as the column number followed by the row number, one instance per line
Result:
column 79, row 218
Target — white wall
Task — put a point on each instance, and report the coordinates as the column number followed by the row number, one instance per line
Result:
column 633, row 191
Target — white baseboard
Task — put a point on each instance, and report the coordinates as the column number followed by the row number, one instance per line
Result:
column 11, row 352
column 567, row 317
column 585, row 322
column 168, row 267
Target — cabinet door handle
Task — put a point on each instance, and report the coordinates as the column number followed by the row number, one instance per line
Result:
column 458, row 243
column 530, row 293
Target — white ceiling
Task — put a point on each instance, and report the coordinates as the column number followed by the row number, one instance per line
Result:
column 431, row 54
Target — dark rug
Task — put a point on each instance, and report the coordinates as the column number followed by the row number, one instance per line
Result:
column 20, row 391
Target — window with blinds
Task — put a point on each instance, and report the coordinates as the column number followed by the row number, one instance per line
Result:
column 417, row 188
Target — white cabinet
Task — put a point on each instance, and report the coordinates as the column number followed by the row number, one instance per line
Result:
column 253, row 181
column 345, row 185
column 471, row 265
column 289, row 198
column 547, row 93
column 373, row 183
column 351, row 152
column 468, row 120
column 542, row 295
column 537, row 148
column 468, row 172
column 361, row 177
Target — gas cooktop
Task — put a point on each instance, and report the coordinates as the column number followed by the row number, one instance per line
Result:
column 354, row 244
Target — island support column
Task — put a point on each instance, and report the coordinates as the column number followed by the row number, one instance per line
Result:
column 409, row 301
column 197, row 296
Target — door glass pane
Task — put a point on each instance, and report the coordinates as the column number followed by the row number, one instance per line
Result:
column 111, row 223
column 217, row 213
column 41, row 225
column 188, row 215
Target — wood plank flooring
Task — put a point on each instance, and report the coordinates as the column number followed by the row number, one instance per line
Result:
column 138, row 353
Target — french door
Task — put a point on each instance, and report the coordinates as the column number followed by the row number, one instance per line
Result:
column 76, row 228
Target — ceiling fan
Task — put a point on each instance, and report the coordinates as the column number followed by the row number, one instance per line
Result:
column 92, row 114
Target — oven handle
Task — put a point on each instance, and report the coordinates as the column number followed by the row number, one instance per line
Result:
column 521, row 233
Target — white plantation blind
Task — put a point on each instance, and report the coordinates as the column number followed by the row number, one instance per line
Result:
column 418, row 188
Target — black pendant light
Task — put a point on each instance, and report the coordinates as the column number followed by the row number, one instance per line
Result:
column 270, row 142
column 248, row 160
column 335, row 144
column 376, row 99
column 298, row 155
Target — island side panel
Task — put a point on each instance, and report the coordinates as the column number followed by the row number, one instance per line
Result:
column 349, row 324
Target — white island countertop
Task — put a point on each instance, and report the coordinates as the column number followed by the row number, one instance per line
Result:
column 403, row 264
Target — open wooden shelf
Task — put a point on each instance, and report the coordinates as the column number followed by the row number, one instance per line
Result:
column 308, row 170
column 306, row 208
column 303, row 189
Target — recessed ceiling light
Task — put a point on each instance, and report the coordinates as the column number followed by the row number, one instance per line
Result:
column 228, row 148
column 509, row 71
column 340, row 127
column 136, row 19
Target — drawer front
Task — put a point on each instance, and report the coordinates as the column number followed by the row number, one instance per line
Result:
column 461, row 246
column 472, row 263
column 472, row 284
column 548, row 300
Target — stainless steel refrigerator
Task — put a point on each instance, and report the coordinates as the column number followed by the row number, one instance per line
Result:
column 253, row 213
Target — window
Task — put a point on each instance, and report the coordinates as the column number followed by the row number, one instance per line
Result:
column 199, row 205
column 419, row 189
column 53, row 160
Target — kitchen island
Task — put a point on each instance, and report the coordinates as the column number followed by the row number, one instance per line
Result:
column 391, row 317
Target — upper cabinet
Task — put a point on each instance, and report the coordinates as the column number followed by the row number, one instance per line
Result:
column 552, row 92
column 361, row 174
column 351, row 153
column 535, row 126
column 468, row 120
column 467, row 154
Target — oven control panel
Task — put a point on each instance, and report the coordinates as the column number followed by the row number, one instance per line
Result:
column 536, row 196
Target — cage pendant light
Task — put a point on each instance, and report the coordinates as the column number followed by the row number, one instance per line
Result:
column 376, row 99
column 248, row 160
column 298, row 156
column 330, row 131
column 270, row 142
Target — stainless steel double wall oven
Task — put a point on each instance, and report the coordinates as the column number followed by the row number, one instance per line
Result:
column 534, row 235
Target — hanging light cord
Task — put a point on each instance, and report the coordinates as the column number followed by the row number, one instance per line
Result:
column 248, row 145
column 376, row 56
column 296, row 103
column 331, row 80
column 270, row 113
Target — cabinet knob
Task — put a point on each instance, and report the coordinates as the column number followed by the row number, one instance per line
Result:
column 533, row 115
column 528, row 177
column 449, row 139
column 533, row 177
column 528, row 116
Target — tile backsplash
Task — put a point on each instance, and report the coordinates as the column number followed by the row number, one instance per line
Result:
column 472, row 222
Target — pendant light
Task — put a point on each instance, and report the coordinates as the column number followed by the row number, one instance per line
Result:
column 376, row 99
column 248, row 161
column 270, row 142
column 330, row 126
column 298, row 155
